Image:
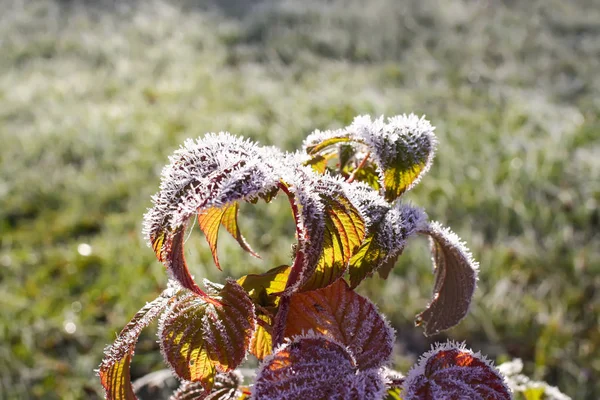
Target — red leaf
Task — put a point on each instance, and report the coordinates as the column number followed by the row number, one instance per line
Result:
column 455, row 281
column 451, row 371
column 346, row 317
column 315, row 368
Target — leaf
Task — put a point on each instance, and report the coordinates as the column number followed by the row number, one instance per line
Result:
column 344, row 232
column 319, row 141
column 210, row 220
column 386, row 241
column 402, row 148
column 199, row 338
column 114, row 369
column 452, row 371
column 346, row 317
column 319, row 162
column 262, row 289
column 455, row 280
column 230, row 222
column 227, row 387
column 315, row 368
column 203, row 177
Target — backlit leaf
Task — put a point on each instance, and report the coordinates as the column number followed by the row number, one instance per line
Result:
column 203, row 177
column 402, row 147
column 455, row 280
column 211, row 219
column 451, row 371
column 344, row 232
column 199, row 338
column 230, row 222
column 262, row 289
column 346, row 317
column 386, row 241
column 114, row 370
column 315, row 368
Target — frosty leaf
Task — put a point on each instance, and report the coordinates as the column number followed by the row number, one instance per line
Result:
column 198, row 338
column 210, row 173
column 210, row 220
column 315, row 368
column 319, row 140
column 344, row 231
column 320, row 161
column 114, row 370
column 455, row 280
column 261, row 289
column 386, row 241
column 402, row 148
column 346, row 317
column 452, row 371
column 226, row 387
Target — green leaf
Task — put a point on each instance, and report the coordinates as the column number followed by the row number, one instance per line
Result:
column 386, row 241
column 330, row 141
column 314, row 367
column 199, row 338
column 346, row 317
column 455, row 280
column 114, row 370
column 319, row 162
column 263, row 289
column 344, row 232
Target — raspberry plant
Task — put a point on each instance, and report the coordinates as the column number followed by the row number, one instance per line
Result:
column 316, row 338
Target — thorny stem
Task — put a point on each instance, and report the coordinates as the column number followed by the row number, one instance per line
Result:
column 361, row 165
column 284, row 302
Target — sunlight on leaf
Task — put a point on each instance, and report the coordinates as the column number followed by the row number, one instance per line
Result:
column 386, row 241
column 455, row 280
column 452, row 371
column 344, row 231
column 315, row 368
column 346, row 317
column 198, row 338
column 210, row 220
column 262, row 289
column 114, row 370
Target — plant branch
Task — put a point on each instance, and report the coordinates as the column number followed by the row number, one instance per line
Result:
column 361, row 165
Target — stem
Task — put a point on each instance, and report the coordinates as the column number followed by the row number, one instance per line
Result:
column 284, row 301
column 361, row 165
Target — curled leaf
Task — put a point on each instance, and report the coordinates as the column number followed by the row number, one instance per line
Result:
column 455, row 280
column 344, row 231
column 114, row 370
column 211, row 173
column 402, row 148
column 315, row 368
column 346, row 317
column 386, row 241
column 211, row 219
column 452, row 371
column 199, row 338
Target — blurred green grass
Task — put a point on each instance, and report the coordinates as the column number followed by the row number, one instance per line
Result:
column 95, row 96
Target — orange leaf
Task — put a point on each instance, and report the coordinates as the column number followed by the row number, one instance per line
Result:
column 346, row 317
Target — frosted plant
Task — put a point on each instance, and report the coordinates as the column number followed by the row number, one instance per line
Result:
column 316, row 338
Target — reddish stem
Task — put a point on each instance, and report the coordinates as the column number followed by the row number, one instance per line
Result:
column 361, row 165
column 284, row 302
